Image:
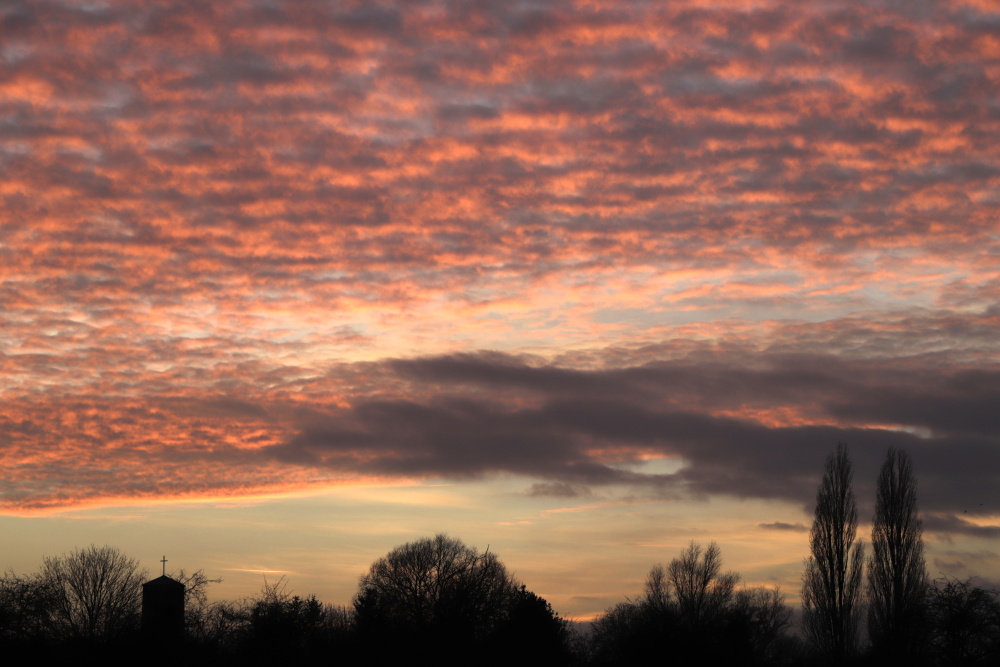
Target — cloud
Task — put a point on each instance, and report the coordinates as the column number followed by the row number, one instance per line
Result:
column 557, row 490
column 960, row 563
column 273, row 246
column 781, row 525
column 543, row 422
column 961, row 526
column 741, row 424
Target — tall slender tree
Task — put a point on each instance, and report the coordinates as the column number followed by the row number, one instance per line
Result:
column 832, row 581
column 897, row 578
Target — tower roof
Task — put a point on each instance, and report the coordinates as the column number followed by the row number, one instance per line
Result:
column 163, row 581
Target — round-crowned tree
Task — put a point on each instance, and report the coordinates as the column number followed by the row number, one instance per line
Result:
column 435, row 582
column 436, row 598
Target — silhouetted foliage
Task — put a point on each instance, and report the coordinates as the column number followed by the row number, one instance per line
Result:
column 633, row 633
column 439, row 599
column 965, row 623
column 702, row 594
column 95, row 593
column 282, row 617
column 25, row 607
column 897, row 579
column 285, row 624
column 273, row 627
column 831, row 586
column 759, row 620
column 692, row 613
column 196, row 605
column 531, row 631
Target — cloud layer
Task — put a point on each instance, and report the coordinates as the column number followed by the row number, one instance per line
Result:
column 253, row 246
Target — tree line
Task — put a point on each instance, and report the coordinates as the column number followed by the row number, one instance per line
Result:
column 437, row 600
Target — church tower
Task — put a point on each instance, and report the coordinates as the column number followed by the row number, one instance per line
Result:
column 163, row 609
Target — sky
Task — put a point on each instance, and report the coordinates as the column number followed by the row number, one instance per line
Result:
column 284, row 285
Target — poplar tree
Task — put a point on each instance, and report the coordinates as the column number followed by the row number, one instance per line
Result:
column 832, row 581
column 897, row 578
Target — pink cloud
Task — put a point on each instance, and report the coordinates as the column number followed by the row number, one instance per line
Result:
column 224, row 227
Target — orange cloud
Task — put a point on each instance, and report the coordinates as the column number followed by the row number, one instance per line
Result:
column 220, row 228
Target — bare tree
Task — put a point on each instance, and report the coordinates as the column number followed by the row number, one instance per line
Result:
column 96, row 592
column 964, row 627
column 763, row 617
column 435, row 591
column 657, row 595
column 897, row 578
column 435, row 580
column 196, row 604
column 25, row 602
column 701, row 591
column 831, row 586
column 438, row 600
column 696, row 611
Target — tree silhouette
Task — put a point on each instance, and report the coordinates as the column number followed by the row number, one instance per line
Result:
column 964, row 624
column 25, row 605
column 695, row 613
column 532, row 629
column 196, row 605
column 274, row 627
column 95, row 592
column 282, row 626
column 633, row 633
column 831, row 586
column 435, row 596
column 758, row 619
column 897, row 579
column 701, row 592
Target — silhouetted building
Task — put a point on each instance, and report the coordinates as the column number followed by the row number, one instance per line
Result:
column 163, row 610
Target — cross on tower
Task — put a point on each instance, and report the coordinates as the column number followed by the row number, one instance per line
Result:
column 164, row 561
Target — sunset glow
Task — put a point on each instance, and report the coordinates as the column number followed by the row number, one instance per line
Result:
column 614, row 273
